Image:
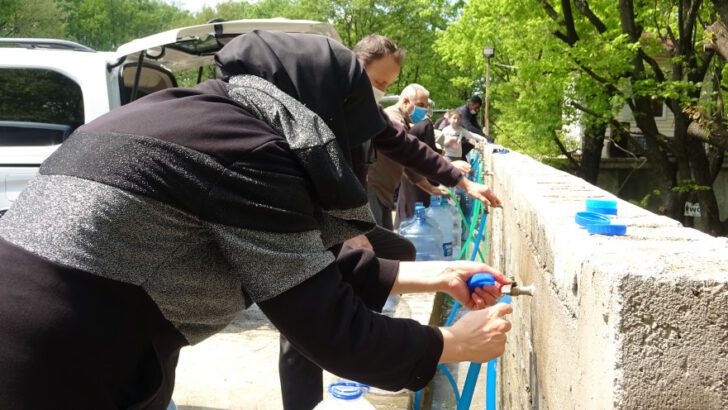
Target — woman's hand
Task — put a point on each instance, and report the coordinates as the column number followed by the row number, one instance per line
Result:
column 454, row 278
column 426, row 186
column 451, row 278
column 359, row 242
column 479, row 336
column 463, row 166
column 479, row 191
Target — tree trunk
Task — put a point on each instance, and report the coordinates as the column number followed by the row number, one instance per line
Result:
column 591, row 152
column 671, row 204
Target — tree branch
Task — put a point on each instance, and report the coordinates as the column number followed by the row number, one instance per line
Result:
column 584, row 9
column 550, row 10
column 561, row 36
column 626, row 15
column 612, row 121
column 601, row 80
column 587, row 110
column 563, row 150
column 691, row 17
column 668, row 29
column 710, row 132
column 569, row 22
column 718, row 39
column 659, row 75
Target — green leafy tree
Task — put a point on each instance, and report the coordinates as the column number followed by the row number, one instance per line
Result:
column 412, row 25
column 581, row 61
column 106, row 24
column 39, row 18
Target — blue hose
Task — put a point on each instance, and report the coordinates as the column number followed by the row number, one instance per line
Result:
column 472, row 376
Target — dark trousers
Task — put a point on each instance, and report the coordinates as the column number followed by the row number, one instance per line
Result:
column 301, row 379
column 382, row 213
column 73, row 340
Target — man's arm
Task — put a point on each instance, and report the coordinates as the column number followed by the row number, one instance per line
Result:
column 397, row 144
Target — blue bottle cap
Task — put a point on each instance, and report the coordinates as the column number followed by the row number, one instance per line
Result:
column 609, row 230
column 347, row 390
column 591, row 218
column 601, row 206
column 479, row 280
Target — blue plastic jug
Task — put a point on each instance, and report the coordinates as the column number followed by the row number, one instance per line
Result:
column 425, row 235
column 443, row 217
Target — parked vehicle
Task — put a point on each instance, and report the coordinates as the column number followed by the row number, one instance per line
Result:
column 48, row 88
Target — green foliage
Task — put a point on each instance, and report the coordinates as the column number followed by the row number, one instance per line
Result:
column 650, row 200
column 38, row 18
column 689, row 185
column 106, row 24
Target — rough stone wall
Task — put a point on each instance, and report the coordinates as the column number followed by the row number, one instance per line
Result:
column 639, row 321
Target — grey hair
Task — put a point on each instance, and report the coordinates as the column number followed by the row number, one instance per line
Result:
column 411, row 91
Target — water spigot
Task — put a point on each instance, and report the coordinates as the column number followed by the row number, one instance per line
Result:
column 514, row 290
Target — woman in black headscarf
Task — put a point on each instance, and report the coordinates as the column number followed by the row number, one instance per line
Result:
column 155, row 224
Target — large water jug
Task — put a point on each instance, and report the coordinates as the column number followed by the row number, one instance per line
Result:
column 457, row 226
column 411, row 219
column 346, row 396
column 425, row 235
column 443, row 217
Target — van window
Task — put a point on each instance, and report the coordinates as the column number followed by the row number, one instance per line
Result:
column 151, row 79
column 38, row 107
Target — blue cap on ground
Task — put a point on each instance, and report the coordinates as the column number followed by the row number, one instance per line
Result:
column 591, row 218
column 479, row 280
column 609, row 230
column 601, row 206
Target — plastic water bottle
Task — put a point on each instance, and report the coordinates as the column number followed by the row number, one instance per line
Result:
column 425, row 235
column 346, row 396
column 457, row 226
column 443, row 217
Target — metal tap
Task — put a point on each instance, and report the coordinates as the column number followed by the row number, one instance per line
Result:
column 514, row 290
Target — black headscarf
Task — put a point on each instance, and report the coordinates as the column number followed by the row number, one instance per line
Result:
column 317, row 71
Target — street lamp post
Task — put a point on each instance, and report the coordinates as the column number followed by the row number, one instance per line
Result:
column 488, row 52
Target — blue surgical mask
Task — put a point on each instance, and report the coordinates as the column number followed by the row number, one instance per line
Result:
column 418, row 114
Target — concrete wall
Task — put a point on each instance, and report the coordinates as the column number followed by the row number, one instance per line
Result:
column 639, row 321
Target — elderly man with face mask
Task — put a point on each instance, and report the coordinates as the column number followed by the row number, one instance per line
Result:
column 385, row 174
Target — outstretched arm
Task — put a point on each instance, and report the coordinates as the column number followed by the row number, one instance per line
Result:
column 330, row 324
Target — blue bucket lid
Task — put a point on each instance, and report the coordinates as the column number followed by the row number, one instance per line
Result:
column 591, row 218
column 347, row 390
column 609, row 230
column 602, row 206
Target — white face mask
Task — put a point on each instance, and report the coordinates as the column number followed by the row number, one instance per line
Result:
column 378, row 94
column 473, row 112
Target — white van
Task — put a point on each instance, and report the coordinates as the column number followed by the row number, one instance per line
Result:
column 48, row 87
